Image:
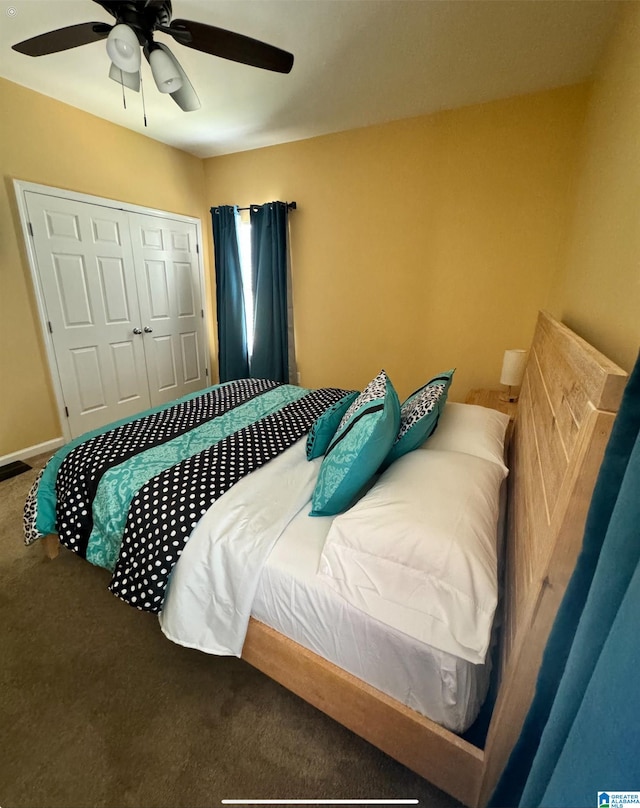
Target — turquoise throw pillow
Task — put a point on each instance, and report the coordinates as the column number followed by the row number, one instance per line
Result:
column 361, row 442
column 419, row 416
column 325, row 426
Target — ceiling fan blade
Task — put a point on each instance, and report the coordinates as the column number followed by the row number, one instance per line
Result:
column 63, row 38
column 229, row 45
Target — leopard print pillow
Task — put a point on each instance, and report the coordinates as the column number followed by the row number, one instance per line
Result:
column 419, row 416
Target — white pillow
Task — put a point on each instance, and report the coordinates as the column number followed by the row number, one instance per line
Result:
column 418, row 551
column 478, row 431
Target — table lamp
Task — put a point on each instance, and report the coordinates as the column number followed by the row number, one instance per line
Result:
column 513, row 366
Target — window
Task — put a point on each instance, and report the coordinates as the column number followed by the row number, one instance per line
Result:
column 243, row 230
column 253, row 292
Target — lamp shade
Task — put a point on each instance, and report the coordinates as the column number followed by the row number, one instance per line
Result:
column 184, row 96
column 130, row 80
column 123, row 48
column 165, row 70
column 513, row 366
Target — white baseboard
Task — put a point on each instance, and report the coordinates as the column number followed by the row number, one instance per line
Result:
column 32, row 451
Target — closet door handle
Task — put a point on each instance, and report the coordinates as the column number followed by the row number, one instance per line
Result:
column 148, row 330
column 137, row 331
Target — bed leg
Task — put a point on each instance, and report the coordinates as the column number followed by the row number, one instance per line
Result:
column 51, row 545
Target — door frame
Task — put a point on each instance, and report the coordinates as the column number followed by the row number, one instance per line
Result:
column 21, row 187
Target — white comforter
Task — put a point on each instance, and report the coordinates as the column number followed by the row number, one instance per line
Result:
column 211, row 589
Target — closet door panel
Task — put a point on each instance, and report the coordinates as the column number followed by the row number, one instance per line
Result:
column 162, row 360
column 114, row 291
column 88, row 370
column 167, row 274
column 190, row 357
column 186, row 306
column 86, row 271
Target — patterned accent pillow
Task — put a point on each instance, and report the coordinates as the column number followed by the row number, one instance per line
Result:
column 325, row 427
column 419, row 416
column 361, row 442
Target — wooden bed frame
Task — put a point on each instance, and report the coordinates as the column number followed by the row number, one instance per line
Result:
column 568, row 402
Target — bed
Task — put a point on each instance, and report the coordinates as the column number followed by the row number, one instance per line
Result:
column 568, row 402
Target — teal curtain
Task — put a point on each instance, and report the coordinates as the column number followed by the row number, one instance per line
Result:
column 270, row 356
column 582, row 732
column 233, row 357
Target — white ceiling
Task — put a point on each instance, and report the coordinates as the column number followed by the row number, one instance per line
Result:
column 357, row 62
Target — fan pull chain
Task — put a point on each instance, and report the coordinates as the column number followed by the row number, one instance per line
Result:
column 124, row 100
column 144, row 110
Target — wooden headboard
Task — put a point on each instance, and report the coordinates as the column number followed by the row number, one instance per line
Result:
column 567, row 406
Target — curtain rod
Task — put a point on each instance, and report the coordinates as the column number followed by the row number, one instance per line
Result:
column 290, row 205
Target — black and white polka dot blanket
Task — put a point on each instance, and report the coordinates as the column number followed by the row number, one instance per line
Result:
column 165, row 509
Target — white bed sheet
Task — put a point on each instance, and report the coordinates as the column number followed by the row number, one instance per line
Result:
column 293, row 601
column 263, row 522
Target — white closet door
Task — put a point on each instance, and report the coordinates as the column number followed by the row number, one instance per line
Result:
column 167, row 274
column 85, row 265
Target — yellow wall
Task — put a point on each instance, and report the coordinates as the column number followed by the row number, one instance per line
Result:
column 44, row 141
column 420, row 244
column 598, row 290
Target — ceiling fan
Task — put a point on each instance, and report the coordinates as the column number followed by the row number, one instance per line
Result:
column 136, row 23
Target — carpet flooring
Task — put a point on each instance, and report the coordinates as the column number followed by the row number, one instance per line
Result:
column 98, row 708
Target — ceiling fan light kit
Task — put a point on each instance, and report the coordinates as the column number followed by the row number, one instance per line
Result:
column 185, row 96
column 165, row 70
column 123, row 48
column 130, row 80
column 136, row 22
